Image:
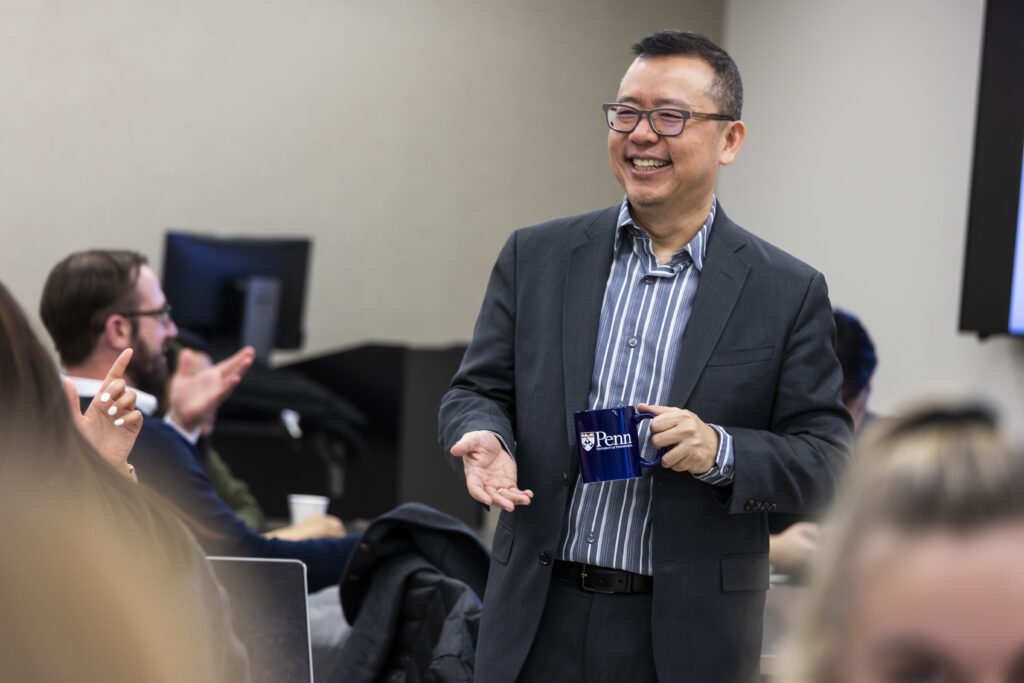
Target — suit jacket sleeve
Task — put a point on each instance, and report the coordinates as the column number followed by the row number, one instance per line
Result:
column 168, row 464
column 482, row 394
column 794, row 465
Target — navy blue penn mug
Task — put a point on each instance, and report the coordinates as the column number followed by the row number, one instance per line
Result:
column 608, row 446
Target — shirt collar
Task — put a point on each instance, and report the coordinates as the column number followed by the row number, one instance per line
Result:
column 87, row 388
column 696, row 248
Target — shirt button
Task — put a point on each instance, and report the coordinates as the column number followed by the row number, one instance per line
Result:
column 545, row 557
column 591, row 538
column 632, row 342
column 647, row 279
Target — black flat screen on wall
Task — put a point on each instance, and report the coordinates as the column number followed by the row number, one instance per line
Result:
column 992, row 297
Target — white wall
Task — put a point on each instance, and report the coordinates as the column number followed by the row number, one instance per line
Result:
column 408, row 137
column 860, row 131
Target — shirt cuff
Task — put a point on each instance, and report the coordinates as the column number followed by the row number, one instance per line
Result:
column 721, row 474
column 192, row 437
column 503, row 444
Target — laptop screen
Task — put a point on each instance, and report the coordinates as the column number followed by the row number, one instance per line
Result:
column 268, row 605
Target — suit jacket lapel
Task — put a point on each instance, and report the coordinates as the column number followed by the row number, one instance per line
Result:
column 721, row 282
column 586, row 274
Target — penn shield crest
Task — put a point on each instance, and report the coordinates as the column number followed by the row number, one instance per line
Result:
column 587, row 440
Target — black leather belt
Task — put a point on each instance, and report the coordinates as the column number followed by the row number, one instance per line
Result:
column 602, row 579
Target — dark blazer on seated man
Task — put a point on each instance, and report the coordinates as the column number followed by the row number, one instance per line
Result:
column 166, row 462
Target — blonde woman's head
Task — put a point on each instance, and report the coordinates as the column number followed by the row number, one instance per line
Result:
column 920, row 576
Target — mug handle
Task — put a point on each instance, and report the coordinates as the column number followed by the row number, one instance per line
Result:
column 648, row 463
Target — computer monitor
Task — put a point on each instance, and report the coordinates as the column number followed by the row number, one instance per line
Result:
column 238, row 290
column 992, row 292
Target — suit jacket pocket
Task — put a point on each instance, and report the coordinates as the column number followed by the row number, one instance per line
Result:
column 501, row 548
column 754, row 354
column 745, row 572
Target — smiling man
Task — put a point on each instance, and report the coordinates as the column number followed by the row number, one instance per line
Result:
column 663, row 302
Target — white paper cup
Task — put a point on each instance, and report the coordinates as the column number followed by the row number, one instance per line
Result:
column 302, row 506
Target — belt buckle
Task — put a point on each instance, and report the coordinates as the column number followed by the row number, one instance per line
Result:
column 590, row 589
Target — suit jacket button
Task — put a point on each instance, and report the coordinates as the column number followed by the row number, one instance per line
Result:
column 565, row 478
column 771, row 507
column 545, row 557
column 749, row 506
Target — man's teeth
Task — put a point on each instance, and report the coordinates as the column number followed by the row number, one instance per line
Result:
column 646, row 164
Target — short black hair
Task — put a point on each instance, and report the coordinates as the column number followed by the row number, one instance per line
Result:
column 856, row 354
column 81, row 292
column 727, row 86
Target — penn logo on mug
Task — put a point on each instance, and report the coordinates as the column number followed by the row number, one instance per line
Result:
column 608, row 445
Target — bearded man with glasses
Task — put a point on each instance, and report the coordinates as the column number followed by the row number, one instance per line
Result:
column 660, row 302
column 97, row 303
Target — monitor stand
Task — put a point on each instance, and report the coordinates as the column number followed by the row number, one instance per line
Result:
column 259, row 314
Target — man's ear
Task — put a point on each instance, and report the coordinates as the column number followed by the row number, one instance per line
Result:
column 734, row 135
column 117, row 332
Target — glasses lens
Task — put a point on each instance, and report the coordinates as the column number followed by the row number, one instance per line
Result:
column 622, row 119
column 667, row 122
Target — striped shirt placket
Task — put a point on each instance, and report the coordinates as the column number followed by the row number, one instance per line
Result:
column 609, row 523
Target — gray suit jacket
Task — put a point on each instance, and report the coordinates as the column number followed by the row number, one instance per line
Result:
column 756, row 358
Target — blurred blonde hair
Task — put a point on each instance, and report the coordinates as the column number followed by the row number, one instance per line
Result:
column 84, row 598
column 937, row 468
column 100, row 581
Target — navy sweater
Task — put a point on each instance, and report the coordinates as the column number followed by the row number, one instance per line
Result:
column 166, row 462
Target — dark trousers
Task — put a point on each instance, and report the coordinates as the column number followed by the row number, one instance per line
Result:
column 591, row 638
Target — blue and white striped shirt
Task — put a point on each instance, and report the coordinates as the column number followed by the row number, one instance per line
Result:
column 644, row 315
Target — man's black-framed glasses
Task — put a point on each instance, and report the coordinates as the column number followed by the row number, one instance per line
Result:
column 162, row 314
column 666, row 121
